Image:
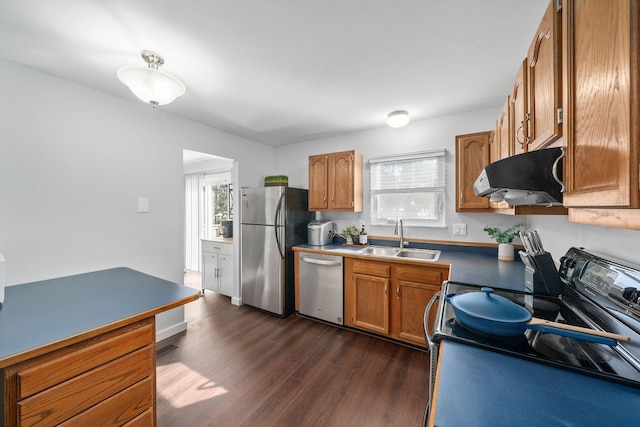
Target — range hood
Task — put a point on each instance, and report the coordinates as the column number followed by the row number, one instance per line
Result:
column 531, row 178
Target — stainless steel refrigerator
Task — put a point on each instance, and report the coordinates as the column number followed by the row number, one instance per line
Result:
column 272, row 221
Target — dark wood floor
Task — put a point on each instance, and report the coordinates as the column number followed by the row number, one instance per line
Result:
column 237, row 366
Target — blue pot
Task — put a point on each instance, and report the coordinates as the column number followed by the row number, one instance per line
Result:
column 495, row 315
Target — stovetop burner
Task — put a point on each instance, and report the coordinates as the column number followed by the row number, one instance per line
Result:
column 568, row 353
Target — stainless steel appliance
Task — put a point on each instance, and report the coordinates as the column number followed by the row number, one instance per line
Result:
column 321, row 291
column 597, row 291
column 531, row 178
column 273, row 220
column 320, row 232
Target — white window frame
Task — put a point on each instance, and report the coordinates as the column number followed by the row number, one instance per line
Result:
column 434, row 184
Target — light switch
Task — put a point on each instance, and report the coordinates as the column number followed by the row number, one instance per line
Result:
column 459, row 229
column 143, row 205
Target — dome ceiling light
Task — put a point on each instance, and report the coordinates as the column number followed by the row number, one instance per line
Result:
column 150, row 84
column 397, row 119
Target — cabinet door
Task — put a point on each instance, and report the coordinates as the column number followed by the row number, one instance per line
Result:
column 210, row 271
column 602, row 130
column 410, row 301
column 225, row 273
column 341, row 180
column 545, row 95
column 472, row 155
column 318, row 175
column 370, row 299
column 502, row 139
column 519, row 134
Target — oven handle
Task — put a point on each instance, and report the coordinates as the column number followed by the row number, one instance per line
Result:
column 427, row 334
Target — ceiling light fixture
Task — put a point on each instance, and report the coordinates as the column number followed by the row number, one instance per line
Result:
column 397, row 119
column 150, row 84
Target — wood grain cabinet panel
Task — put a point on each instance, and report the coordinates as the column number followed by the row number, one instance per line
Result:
column 602, row 104
column 335, row 182
column 545, row 80
column 472, row 155
column 519, row 112
column 105, row 380
column 318, row 182
column 389, row 299
column 409, row 304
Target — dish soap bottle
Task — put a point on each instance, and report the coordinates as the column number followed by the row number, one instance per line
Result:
column 362, row 239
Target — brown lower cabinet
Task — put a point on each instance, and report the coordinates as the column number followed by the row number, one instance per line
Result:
column 105, row 380
column 390, row 299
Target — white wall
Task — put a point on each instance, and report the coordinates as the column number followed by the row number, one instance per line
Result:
column 421, row 135
column 73, row 162
column 557, row 233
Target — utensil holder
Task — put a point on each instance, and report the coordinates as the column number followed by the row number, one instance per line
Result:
column 540, row 274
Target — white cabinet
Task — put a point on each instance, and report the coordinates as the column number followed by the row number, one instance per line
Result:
column 217, row 267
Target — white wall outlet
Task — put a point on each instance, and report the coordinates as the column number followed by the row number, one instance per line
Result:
column 459, row 229
column 143, row 205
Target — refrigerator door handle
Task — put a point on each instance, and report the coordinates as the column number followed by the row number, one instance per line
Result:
column 277, row 225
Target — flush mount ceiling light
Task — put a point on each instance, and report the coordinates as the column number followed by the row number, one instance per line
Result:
column 397, row 119
column 150, row 84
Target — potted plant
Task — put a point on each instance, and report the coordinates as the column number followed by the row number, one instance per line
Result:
column 505, row 239
column 350, row 232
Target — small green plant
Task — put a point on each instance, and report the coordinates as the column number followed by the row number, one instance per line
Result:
column 350, row 231
column 507, row 235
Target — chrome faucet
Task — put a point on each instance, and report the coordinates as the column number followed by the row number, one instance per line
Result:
column 400, row 228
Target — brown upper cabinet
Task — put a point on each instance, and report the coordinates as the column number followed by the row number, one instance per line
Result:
column 500, row 146
column 545, row 80
column 335, row 182
column 472, row 155
column 518, row 99
column 602, row 111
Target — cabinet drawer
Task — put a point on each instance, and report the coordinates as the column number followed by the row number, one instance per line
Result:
column 219, row 247
column 428, row 275
column 143, row 420
column 71, row 397
column 117, row 409
column 52, row 369
column 371, row 268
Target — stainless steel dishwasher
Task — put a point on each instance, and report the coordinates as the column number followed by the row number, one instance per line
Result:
column 321, row 290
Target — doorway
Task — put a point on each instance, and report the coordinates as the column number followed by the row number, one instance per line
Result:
column 209, row 200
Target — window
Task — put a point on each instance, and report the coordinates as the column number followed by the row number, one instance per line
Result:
column 408, row 186
column 216, row 203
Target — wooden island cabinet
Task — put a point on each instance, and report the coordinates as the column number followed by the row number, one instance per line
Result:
column 389, row 298
column 80, row 350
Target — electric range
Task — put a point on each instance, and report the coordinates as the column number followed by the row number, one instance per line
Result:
column 590, row 290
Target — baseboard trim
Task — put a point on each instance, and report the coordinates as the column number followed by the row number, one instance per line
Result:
column 236, row 301
column 171, row 331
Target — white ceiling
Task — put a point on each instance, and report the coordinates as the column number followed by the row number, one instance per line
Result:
column 285, row 71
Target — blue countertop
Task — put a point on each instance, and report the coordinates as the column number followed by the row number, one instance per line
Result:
column 480, row 388
column 43, row 313
column 467, row 264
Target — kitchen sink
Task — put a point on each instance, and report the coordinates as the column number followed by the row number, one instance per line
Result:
column 388, row 251
column 379, row 251
column 421, row 254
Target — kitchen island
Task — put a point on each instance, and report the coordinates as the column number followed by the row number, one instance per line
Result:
column 82, row 348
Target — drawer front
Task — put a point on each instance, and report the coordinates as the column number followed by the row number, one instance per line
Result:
column 428, row 275
column 371, row 268
column 146, row 419
column 67, row 363
column 219, row 247
column 61, row 402
column 118, row 409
